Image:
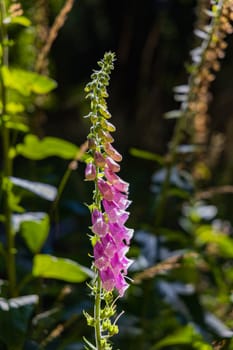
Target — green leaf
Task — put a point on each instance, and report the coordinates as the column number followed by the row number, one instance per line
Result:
column 22, row 20
column 15, row 315
column 89, row 344
column 36, row 149
column 146, row 155
column 26, row 82
column 42, row 190
column 15, row 122
column 14, row 203
column 35, row 233
column 48, row 266
column 17, row 126
column 207, row 235
column 184, row 336
column 17, row 219
column 13, row 107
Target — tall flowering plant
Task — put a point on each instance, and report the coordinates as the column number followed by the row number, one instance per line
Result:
column 110, row 237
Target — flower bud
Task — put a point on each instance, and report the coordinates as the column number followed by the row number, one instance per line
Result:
column 91, row 144
column 105, row 136
column 99, row 159
column 107, row 125
column 90, row 172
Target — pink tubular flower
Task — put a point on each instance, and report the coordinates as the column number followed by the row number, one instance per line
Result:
column 112, row 165
column 109, row 245
column 121, row 285
column 105, row 189
column 121, row 200
column 116, row 215
column 99, row 255
column 112, row 152
column 100, row 228
column 108, row 278
column 117, row 182
column 120, row 264
column 112, row 237
column 120, row 232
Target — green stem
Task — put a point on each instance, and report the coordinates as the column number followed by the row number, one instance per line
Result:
column 61, row 188
column 7, row 171
column 71, row 167
column 97, row 309
column 28, row 278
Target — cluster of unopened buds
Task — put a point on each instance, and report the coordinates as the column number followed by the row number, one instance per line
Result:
column 111, row 236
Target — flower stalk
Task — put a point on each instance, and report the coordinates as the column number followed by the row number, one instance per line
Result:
column 110, row 237
column 194, row 97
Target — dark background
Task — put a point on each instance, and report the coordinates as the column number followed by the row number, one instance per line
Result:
column 152, row 43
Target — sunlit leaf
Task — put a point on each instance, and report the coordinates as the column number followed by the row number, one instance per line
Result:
column 216, row 325
column 146, row 155
column 36, row 149
column 26, row 82
column 16, row 126
column 22, row 20
column 184, row 336
column 13, row 107
column 15, row 121
column 14, row 203
column 207, row 235
column 89, row 344
column 15, row 315
column 17, row 219
column 35, row 233
column 42, row 190
column 48, row 266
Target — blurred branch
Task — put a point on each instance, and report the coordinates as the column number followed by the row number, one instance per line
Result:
column 214, row 191
column 57, row 25
column 57, row 332
column 194, row 96
column 168, row 264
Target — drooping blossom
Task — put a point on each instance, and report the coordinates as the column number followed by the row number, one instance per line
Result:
column 108, row 222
